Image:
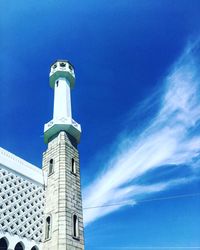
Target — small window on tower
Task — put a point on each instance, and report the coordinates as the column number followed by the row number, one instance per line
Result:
column 62, row 64
column 73, row 166
column 75, row 224
column 51, row 167
column 48, row 228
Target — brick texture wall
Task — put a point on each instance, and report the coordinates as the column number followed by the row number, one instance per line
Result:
column 63, row 194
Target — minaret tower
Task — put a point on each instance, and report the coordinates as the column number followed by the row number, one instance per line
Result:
column 63, row 219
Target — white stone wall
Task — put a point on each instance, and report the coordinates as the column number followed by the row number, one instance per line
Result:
column 63, row 194
column 20, row 166
column 21, row 201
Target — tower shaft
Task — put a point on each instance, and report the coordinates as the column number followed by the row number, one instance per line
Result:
column 62, row 99
column 63, row 229
column 63, row 195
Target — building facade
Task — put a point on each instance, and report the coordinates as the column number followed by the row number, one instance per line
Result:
column 44, row 210
column 21, row 203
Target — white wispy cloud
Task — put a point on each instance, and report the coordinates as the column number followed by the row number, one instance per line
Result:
column 170, row 139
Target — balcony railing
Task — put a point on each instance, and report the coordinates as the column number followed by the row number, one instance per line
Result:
column 63, row 120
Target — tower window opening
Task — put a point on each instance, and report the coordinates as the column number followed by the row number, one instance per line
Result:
column 75, row 226
column 62, row 64
column 48, row 228
column 57, row 83
column 51, row 167
column 73, row 166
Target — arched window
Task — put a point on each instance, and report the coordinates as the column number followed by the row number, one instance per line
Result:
column 62, row 64
column 51, row 167
column 48, row 228
column 54, row 66
column 34, row 248
column 73, row 166
column 19, row 246
column 75, row 226
column 3, row 244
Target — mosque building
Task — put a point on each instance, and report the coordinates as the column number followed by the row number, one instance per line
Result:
column 41, row 209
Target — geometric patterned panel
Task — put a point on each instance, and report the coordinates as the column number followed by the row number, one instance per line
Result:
column 21, row 205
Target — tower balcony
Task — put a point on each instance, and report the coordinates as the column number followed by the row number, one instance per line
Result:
column 54, row 126
column 62, row 68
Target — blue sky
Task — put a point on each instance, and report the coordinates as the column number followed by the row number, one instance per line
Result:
column 136, row 98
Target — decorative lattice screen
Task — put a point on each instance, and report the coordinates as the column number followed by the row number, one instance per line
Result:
column 21, row 205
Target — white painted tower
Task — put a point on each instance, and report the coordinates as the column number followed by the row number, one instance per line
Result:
column 62, row 79
column 63, row 228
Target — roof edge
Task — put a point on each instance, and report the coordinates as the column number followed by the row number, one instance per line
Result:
column 20, row 166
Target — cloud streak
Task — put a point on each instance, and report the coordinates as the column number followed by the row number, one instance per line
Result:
column 170, row 139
